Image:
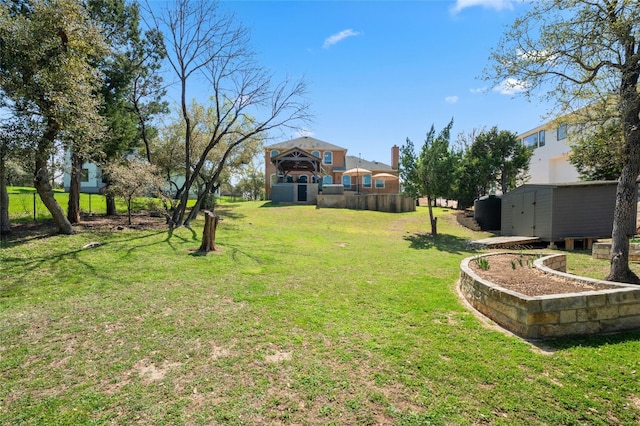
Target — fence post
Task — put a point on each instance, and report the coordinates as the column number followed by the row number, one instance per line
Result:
column 34, row 207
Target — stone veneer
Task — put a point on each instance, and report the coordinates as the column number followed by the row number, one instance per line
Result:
column 537, row 317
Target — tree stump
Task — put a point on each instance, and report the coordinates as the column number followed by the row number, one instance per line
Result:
column 209, row 233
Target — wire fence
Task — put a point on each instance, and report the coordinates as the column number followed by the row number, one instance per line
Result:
column 29, row 206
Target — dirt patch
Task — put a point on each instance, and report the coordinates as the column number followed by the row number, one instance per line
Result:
column 516, row 272
column 42, row 228
column 139, row 221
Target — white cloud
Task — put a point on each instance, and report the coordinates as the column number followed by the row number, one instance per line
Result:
column 478, row 90
column 487, row 4
column 511, row 86
column 451, row 99
column 336, row 38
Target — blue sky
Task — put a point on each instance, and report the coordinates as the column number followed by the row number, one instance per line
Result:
column 382, row 71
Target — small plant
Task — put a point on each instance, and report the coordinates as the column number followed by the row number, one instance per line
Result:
column 520, row 261
column 513, row 265
column 482, row 263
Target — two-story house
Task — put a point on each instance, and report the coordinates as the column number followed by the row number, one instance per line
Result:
column 550, row 160
column 298, row 169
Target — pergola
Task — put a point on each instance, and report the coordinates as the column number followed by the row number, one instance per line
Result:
column 297, row 160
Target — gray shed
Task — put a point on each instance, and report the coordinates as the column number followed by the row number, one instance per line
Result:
column 553, row 212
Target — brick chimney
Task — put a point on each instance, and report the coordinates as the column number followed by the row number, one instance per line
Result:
column 395, row 157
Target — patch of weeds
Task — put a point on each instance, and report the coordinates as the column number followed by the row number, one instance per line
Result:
column 326, row 411
column 482, row 263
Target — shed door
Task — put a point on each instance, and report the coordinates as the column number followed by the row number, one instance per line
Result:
column 523, row 214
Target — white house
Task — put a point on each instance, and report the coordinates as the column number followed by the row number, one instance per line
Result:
column 550, row 160
column 91, row 179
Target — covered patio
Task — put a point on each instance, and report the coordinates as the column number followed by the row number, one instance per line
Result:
column 298, row 178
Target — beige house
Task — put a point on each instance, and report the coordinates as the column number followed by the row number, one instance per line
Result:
column 299, row 169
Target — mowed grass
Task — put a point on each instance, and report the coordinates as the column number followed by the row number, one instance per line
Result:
column 304, row 316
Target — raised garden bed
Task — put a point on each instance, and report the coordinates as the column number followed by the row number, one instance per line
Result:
column 533, row 297
column 602, row 250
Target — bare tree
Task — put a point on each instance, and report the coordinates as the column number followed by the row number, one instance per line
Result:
column 205, row 44
column 585, row 53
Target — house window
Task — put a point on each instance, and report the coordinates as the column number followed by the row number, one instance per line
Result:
column 302, row 179
column 346, row 181
column 541, row 138
column 273, row 178
column 84, row 175
column 562, row 131
column 366, row 181
column 327, row 158
column 289, row 179
column 531, row 140
column 327, row 180
column 379, row 184
column 275, row 152
column 315, row 153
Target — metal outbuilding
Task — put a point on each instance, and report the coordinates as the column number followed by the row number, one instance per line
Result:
column 560, row 211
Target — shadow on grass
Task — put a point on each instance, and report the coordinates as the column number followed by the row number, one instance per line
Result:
column 442, row 242
column 589, row 341
column 19, row 266
column 268, row 204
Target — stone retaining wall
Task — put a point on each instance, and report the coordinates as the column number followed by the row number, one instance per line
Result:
column 536, row 317
column 393, row 203
column 603, row 251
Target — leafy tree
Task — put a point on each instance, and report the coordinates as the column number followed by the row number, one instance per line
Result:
column 429, row 173
column 598, row 154
column 408, row 164
column 435, row 169
column 131, row 89
column 203, row 43
column 492, row 160
column 133, row 178
column 251, row 181
column 584, row 52
column 46, row 50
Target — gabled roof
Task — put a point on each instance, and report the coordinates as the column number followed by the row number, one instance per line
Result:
column 307, row 143
column 296, row 159
column 352, row 161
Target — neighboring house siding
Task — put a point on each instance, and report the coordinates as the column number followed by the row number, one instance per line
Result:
column 91, row 177
column 550, row 162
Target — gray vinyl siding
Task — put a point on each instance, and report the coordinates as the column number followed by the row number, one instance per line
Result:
column 584, row 211
column 555, row 211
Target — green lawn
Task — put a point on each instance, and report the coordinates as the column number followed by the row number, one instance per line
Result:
column 305, row 316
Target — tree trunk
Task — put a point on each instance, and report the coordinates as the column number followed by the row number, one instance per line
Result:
column 41, row 181
column 209, row 233
column 624, row 224
column 432, row 220
column 73, row 208
column 111, row 204
column 42, row 185
column 5, row 225
column 624, row 227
